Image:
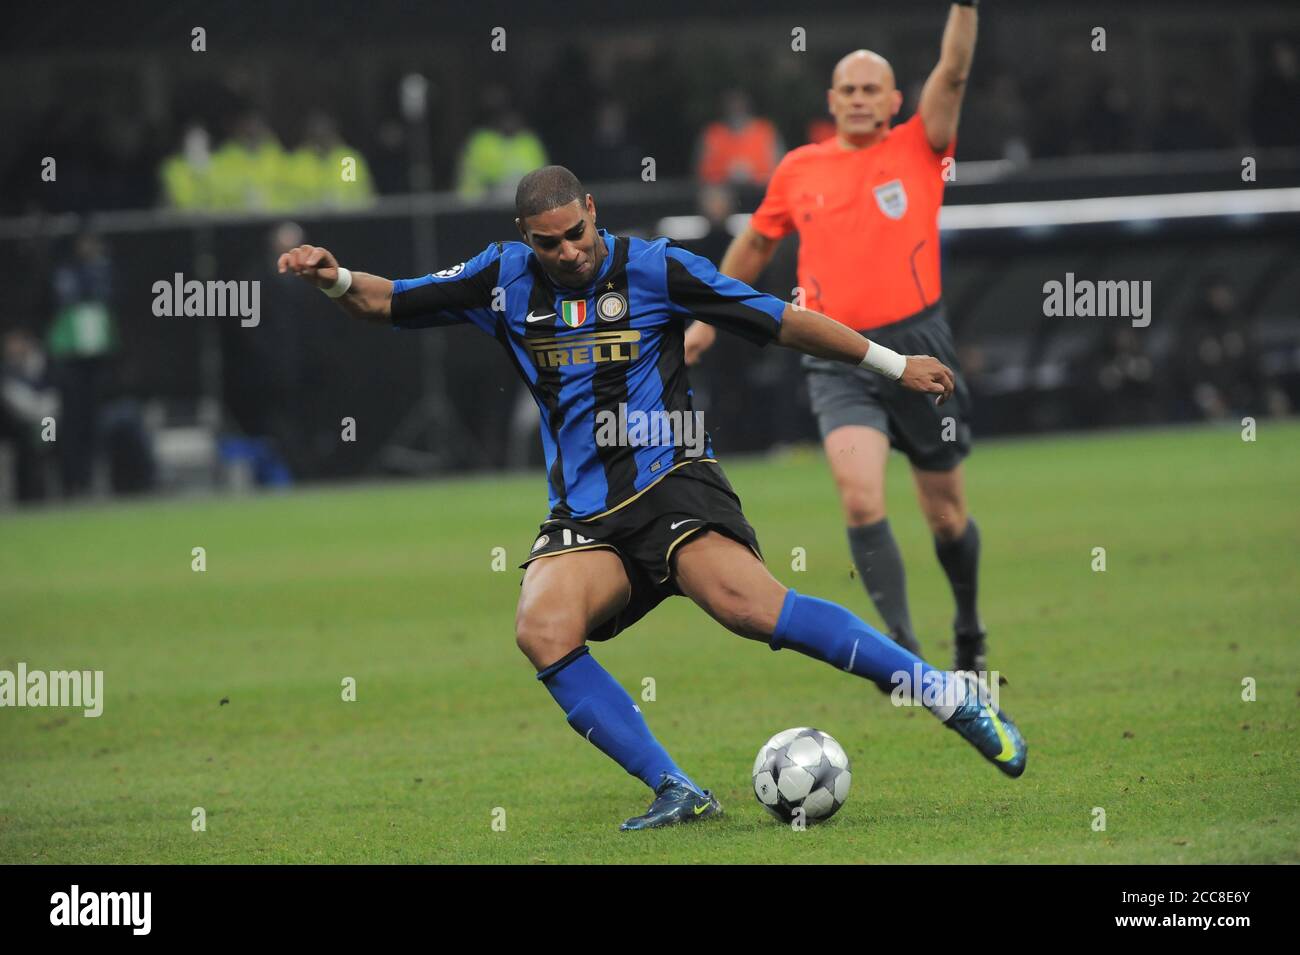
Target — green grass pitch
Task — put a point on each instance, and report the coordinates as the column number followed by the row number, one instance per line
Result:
column 1127, row 684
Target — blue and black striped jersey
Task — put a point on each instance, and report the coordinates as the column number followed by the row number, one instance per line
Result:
column 612, row 351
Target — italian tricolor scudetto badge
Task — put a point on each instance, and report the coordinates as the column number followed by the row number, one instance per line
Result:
column 573, row 311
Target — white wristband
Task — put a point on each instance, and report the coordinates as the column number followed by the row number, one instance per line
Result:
column 341, row 284
column 884, row 361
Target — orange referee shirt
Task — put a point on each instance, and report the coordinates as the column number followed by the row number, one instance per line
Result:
column 868, row 224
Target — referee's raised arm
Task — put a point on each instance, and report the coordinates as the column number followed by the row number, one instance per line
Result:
column 361, row 295
column 940, row 105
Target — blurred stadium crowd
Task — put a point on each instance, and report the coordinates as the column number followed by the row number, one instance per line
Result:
column 244, row 133
column 221, row 143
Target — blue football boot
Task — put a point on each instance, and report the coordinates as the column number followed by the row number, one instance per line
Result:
column 989, row 730
column 675, row 802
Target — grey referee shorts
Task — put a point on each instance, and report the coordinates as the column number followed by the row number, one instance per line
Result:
column 934, row 437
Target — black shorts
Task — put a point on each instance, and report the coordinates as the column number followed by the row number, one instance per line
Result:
column 934, row 437
column 647, row 529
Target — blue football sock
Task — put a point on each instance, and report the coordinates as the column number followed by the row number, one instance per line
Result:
column 602, row 713
column 827, row 632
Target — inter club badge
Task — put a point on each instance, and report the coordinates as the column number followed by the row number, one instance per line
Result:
column 573, row 311
column 611, row 306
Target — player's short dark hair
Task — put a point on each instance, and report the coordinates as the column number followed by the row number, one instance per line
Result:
column 547, row 188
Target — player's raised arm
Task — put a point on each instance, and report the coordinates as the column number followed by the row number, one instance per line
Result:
column 941, row 97
column 464, row 293
column 815, row 334
column 364, row 296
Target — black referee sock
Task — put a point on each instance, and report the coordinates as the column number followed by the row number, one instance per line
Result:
column 960, row 560
column 880, row 565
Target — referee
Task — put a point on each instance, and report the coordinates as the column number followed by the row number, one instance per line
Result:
column 866, row 204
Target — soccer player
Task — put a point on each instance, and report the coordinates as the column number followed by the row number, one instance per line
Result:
column 594, row 324
column 866, row 206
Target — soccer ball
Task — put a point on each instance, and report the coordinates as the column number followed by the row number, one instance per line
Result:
column 804, row 769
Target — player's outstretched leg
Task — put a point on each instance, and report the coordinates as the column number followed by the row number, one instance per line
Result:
column 735, row 588
column 828, row 632
column 564, row 597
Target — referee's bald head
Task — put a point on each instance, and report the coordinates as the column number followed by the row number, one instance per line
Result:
column 863, row 98
column 863, row 62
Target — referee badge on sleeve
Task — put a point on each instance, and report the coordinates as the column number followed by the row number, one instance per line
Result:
column 892, row 198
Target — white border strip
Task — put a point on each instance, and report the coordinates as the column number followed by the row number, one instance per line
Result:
column 1058, row 212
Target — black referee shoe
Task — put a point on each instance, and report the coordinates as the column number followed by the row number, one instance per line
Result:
column 969, row 653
